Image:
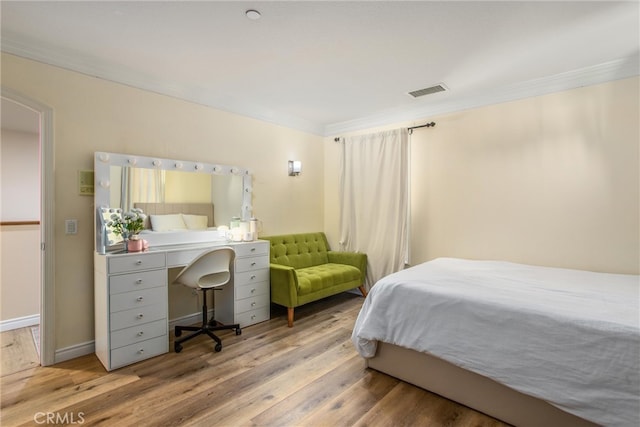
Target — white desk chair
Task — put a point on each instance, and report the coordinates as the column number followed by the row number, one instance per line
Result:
column 209, row 271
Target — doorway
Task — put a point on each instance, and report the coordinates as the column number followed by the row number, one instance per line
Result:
column 20, row 238
column 45, row 336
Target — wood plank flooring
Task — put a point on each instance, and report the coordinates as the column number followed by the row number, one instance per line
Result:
column 18, row 351
column 271, row 375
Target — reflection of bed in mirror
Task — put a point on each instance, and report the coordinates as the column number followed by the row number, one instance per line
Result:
column 200, row 209
column 179, row 223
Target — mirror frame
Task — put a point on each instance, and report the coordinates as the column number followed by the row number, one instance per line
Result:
column 102, row 185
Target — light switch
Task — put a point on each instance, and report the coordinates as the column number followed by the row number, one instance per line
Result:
column 71, row 226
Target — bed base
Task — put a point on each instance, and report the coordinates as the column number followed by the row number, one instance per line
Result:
column 469, row 389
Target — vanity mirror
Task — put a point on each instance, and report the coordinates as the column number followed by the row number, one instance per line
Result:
column 157, row 185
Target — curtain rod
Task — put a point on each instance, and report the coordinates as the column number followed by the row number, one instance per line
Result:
column 426, row 125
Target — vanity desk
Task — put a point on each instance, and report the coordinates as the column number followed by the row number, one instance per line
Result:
column 132, row 289
column 131, row 297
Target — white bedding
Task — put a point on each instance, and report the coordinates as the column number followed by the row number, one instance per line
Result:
column 569, row 337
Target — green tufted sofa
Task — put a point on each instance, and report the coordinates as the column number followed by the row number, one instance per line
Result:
column 304, row 269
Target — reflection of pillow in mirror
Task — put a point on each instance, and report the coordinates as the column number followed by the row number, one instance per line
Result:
column 167, row 222
column 195, row 222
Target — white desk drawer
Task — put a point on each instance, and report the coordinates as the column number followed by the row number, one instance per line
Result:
column 252, row 248
column 137, row 281
column 141, row 298
column 252, row 290
column 138, row 316
column 182, row 258
column 254, row 316
column 138, row 333
column 251, row 276
column 136, row 262
column 139, row 351
column 252, row 303
column 251, row 263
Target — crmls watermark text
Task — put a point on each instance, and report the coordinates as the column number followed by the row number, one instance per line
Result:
column 59, row 418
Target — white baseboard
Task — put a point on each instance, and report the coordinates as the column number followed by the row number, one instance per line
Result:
column 89, row 347
column 74, row 351
column 19, row 322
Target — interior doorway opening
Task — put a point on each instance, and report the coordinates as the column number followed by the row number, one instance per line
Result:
column 19, row 107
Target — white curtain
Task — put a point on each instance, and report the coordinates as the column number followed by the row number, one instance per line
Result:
column 141, row 185
column 374, row 200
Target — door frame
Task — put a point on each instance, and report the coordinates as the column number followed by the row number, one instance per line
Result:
column 47, row 221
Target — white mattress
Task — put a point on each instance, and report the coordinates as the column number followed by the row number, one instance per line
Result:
column 569, row 337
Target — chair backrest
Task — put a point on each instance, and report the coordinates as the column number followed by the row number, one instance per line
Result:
column 208, row 270
column 299, row 250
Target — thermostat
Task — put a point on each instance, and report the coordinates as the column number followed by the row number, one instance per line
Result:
column 85, row 183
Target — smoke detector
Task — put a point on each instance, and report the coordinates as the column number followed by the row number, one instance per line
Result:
column 253, row 14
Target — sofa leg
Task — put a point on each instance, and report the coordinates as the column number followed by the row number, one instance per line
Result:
column 290, row 317
column 363, row 290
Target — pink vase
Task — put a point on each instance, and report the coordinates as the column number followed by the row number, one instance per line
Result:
column 135, row 245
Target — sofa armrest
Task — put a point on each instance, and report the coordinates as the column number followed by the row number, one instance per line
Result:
column 284, row 285
column 356, row 259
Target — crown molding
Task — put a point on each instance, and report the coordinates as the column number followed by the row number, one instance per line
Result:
column 448, row 103
column 68, row 60
column 609, row 71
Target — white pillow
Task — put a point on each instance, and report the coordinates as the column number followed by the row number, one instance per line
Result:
column 167, row 222
column 195, row 222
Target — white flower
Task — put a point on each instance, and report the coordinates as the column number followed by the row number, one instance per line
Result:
column 128, row 223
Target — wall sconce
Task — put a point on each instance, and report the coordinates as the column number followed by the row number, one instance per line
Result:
column 295, row 167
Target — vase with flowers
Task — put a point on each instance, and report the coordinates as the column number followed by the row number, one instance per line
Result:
column 128, row 225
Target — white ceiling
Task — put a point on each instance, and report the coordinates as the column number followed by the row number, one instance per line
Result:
column 330, row 67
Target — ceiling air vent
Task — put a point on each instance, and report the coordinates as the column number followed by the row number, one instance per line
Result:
column 428, row 91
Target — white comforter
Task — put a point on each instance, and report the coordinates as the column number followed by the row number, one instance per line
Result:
column 569, row 337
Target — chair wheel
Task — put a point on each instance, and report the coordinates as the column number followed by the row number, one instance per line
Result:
column 178, row 332
column 238, row 331
column 218, row 347
column 177, row 347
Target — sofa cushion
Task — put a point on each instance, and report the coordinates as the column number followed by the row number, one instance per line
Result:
column 320, row 277
column 299, row 250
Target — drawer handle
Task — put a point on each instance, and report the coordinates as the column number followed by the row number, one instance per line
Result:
column 141, row 333
column 252, row 264
column 253, row 304
column 253, row 290
column 253, row 317
column 140, row 316
column 141, row 351
column 253, row 249
column 138, row 282
column 253, row 276
column 139, row 299
column 139, row 262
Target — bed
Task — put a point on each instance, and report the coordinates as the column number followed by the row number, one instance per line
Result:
column 179, row 223
column 527, row 345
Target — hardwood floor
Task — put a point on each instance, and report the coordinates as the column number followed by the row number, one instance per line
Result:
column 18, row 350
column 271, row 375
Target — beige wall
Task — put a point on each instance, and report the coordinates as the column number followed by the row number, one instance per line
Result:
column 19, row 273
column 19, row 176
column 19, row 244
column 551, row 180
column 96, row 115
